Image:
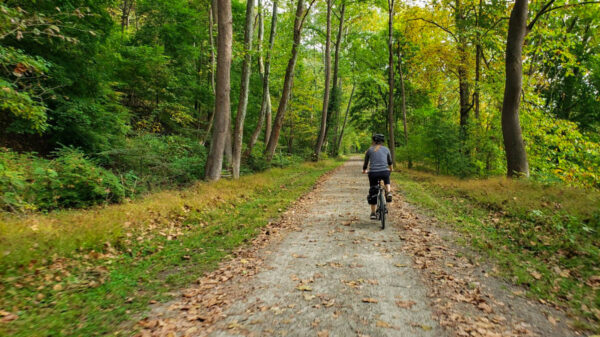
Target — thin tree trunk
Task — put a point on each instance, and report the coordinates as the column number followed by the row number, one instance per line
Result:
column 339, row 143
column 326, row 92
column 287, row 82
column 337, row 91
column 403, row 93
column 463, row 80
column 238, row 135
column 214, row 161
column 391, row 119
column 516, row 156
column 265, row 106
column 211, row 18
column 478, row 52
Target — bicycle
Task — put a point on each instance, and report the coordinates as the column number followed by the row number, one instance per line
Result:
column 381, row 205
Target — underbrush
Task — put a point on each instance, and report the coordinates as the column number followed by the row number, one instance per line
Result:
column 83, row 272
column 148, row 162
column 544, row 237
column 70, row 179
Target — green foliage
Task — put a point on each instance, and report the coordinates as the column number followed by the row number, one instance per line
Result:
column 18, row 92
column 148, row 161
column 558, row 151
column 69, row 180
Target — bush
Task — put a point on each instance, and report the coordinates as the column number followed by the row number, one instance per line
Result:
column 69, row 180
column 147, row 161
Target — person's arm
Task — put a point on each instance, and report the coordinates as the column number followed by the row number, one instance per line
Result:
column 366, row 163
column 389, row 161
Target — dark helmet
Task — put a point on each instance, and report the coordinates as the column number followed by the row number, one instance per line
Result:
column 378, row 138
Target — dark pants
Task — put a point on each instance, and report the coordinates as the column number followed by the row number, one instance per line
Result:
column 374, row 178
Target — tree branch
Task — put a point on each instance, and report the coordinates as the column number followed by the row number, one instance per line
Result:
column 539, row 14
column 437, row 25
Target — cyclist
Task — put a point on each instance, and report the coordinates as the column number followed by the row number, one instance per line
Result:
column 379, row 161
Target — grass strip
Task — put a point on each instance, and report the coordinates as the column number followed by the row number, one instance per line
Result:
column 83, row 273
column 545, row 238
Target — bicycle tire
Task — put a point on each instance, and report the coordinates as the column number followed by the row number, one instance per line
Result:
column 382, row 209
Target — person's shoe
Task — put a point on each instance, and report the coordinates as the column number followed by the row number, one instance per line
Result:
column 373, row 216
column 388, row 197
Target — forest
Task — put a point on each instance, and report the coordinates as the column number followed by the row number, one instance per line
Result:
column 124, row 92
column 128, row 101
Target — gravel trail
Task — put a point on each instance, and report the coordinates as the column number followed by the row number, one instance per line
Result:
column 341, row 275
column 324, row 269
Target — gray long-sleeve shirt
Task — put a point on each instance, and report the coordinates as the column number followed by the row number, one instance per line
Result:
column 380, row 160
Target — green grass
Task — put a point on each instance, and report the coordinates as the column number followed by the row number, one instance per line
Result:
column 545, row 238
column 93, row 281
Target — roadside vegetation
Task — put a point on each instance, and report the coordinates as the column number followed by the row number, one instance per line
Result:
column 83, row 272
column 544, row 237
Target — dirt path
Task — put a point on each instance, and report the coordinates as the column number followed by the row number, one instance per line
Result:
column 327, row 270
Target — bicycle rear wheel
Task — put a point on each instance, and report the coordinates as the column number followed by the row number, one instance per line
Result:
column 382, row 209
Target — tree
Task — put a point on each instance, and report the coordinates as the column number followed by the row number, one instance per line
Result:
column 391, row 120
column 403, row 95
column 214, row 162
column 243, row 102
column 211, row 18
column 516, row 156
column 265, row 106
column 336, row 92
column 326, row 92
column 299, row 19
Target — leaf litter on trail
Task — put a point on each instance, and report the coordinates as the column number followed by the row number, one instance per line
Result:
column 461, row 303
column 205, row 303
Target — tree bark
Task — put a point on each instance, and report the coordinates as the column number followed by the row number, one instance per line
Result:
column 326, row 92
column 478, row 52
column 214, row 161
column 287, row 82
column 336, row 84
column 516, row 156
column 390, row 117
column 265, row 106
column 403, row 94
column 463, row 80
column 240, row 117
column 340, row 138
column 211, row 23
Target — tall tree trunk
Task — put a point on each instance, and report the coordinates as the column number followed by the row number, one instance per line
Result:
column 337, row 91
column 463, row 80
column 214, row 161
column 516, row 156
column 341, row 137
column 390, row 106
column 403, row 94
column 211, row 19
column 238, row 135
column 326, row 92
column 289, row 78
column 478, row 52
column 265, row 105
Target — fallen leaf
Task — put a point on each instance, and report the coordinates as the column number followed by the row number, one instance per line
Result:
column 303, row 287
column 405, row 304
column 382, row 324
column 323, row 333
column 536, row 275
column 57, row 287
column 6, row 316
column 309, row 297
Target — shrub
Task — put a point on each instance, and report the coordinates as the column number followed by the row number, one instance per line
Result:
column 149, row 160
column 69, row 180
